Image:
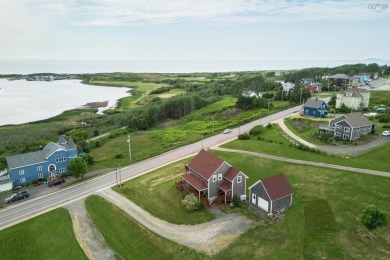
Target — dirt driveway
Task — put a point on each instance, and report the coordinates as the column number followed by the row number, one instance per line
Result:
column 209, row 238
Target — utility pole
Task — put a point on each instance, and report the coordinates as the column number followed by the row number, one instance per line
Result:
column 269, row 102
column 116, row 176
column 120, row 177
column 128, row 140
column 202, row 141
column 260, row 120
column 213, row 123
column 300, row 100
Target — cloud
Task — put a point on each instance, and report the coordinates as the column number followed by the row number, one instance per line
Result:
column 122, row 12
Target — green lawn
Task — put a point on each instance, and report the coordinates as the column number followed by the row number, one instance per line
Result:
column 128, row 238
column 48, row 236
column 155, row 192
column 322, row 223
column 276, row 144
column 306, row 128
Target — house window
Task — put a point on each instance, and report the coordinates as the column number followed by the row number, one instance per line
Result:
column 21, row 172
column 339, row 127
column 358, row 128
column 306, row 111
column 40, row 175
column 346, row 129
column 369, row 127
column 345, row 136
column 214, row 178
column 338, row 134
column 62, row 170
column 357, row 136
column 220, row 177
column 22, row 180
column 39, row 168
column 333, row 125
column 239, row 179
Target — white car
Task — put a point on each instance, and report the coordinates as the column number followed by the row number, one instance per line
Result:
column 227, row 131
column 386, row 133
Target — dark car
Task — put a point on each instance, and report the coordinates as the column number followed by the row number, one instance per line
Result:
column 56, row 182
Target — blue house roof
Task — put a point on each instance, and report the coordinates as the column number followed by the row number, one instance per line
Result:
column 314, row 103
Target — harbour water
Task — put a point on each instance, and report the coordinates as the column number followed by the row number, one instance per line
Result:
column 27, row 101
column 99, row 66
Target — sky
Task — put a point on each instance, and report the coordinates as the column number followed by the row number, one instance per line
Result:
column 194, row 30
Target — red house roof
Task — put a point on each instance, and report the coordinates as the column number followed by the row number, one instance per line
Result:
column 277, row 186
column 194, row 181
column 205, row 164
column 231, row 174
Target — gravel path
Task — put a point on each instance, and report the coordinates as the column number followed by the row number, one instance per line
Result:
column 87, row 235
column 209, row 238
column 341, row 150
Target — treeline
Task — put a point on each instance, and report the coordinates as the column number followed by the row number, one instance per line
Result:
column 349, row 69
column 248, row 103
column 173, row 108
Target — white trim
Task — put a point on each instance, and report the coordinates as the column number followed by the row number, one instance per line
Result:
column 239, row 179
column 220, row 177
column 250, row 187
column 59, row 149
column 266, row 191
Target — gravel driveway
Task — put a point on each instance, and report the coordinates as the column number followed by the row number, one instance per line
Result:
column 209, row 238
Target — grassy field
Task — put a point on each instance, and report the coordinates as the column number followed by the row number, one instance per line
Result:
column 276, row 144
column 308, row 128
column 163, row 199
column 49, row 236
column 322, row 223
column 128, row 238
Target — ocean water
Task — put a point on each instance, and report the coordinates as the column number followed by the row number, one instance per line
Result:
column 100, row 66
column 27, row 101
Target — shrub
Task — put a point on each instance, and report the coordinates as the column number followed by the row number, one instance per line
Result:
column 236, row 201
column 119, row 156
column 269, row 125
column 243, row 137
column 256, row 130
column 373, row 217
column 190, row 202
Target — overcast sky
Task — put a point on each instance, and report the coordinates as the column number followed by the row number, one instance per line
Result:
column 193, row 30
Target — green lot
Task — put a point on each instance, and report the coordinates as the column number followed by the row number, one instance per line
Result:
column 322, row 223
column 49, row 236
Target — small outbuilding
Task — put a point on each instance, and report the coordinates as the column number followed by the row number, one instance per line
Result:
column 271, row 194
column 315, row 107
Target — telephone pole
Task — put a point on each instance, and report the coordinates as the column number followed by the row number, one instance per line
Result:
column 128, row 140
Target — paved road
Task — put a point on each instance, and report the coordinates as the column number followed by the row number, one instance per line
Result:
column 327, row 165
column 34, row 207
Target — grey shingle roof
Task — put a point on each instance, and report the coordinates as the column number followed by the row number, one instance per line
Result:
column 61, row 140
column 357, row 119
column 30, row 158
column 313, row 103
column 338, row 76
column 71, row 144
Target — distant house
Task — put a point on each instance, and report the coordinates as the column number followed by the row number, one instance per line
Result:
column 339, row 80
column 287, row 86
column 52, row 160
column 271, row 194
column 361, row 78
column 211, row 178
column 5, row 181
column 314, row 88
column 353, row 98
column 249, row 93
column 349, row 126
column 315, row 107
column 307, row 80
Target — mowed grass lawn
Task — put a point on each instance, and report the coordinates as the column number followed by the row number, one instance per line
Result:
column 324, row 221
column 49, row 236
column 128, row 238
column 155, row 193
column 276, row 144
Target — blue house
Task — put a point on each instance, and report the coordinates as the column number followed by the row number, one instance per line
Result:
column 52, row 160
column 315, row 107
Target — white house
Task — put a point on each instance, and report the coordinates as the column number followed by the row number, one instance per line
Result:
column 249, row 93
column 353, row 98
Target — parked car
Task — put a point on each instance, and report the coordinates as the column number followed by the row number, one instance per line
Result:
column 227, row 131
column 17, row 196
column 386, row 133
column 56, row 182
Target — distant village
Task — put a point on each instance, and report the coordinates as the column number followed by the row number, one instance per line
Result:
column 43, row 77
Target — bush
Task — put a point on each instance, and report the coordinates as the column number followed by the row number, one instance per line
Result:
column 119, row 156
column 236, row 201
column 243, row 137
column 190, row 202
column 256, row 130
column 373, row 217
column 269, row 125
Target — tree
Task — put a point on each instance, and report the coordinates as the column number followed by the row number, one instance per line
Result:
column 190, row 202
column 373, row 217
column 77, row 167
